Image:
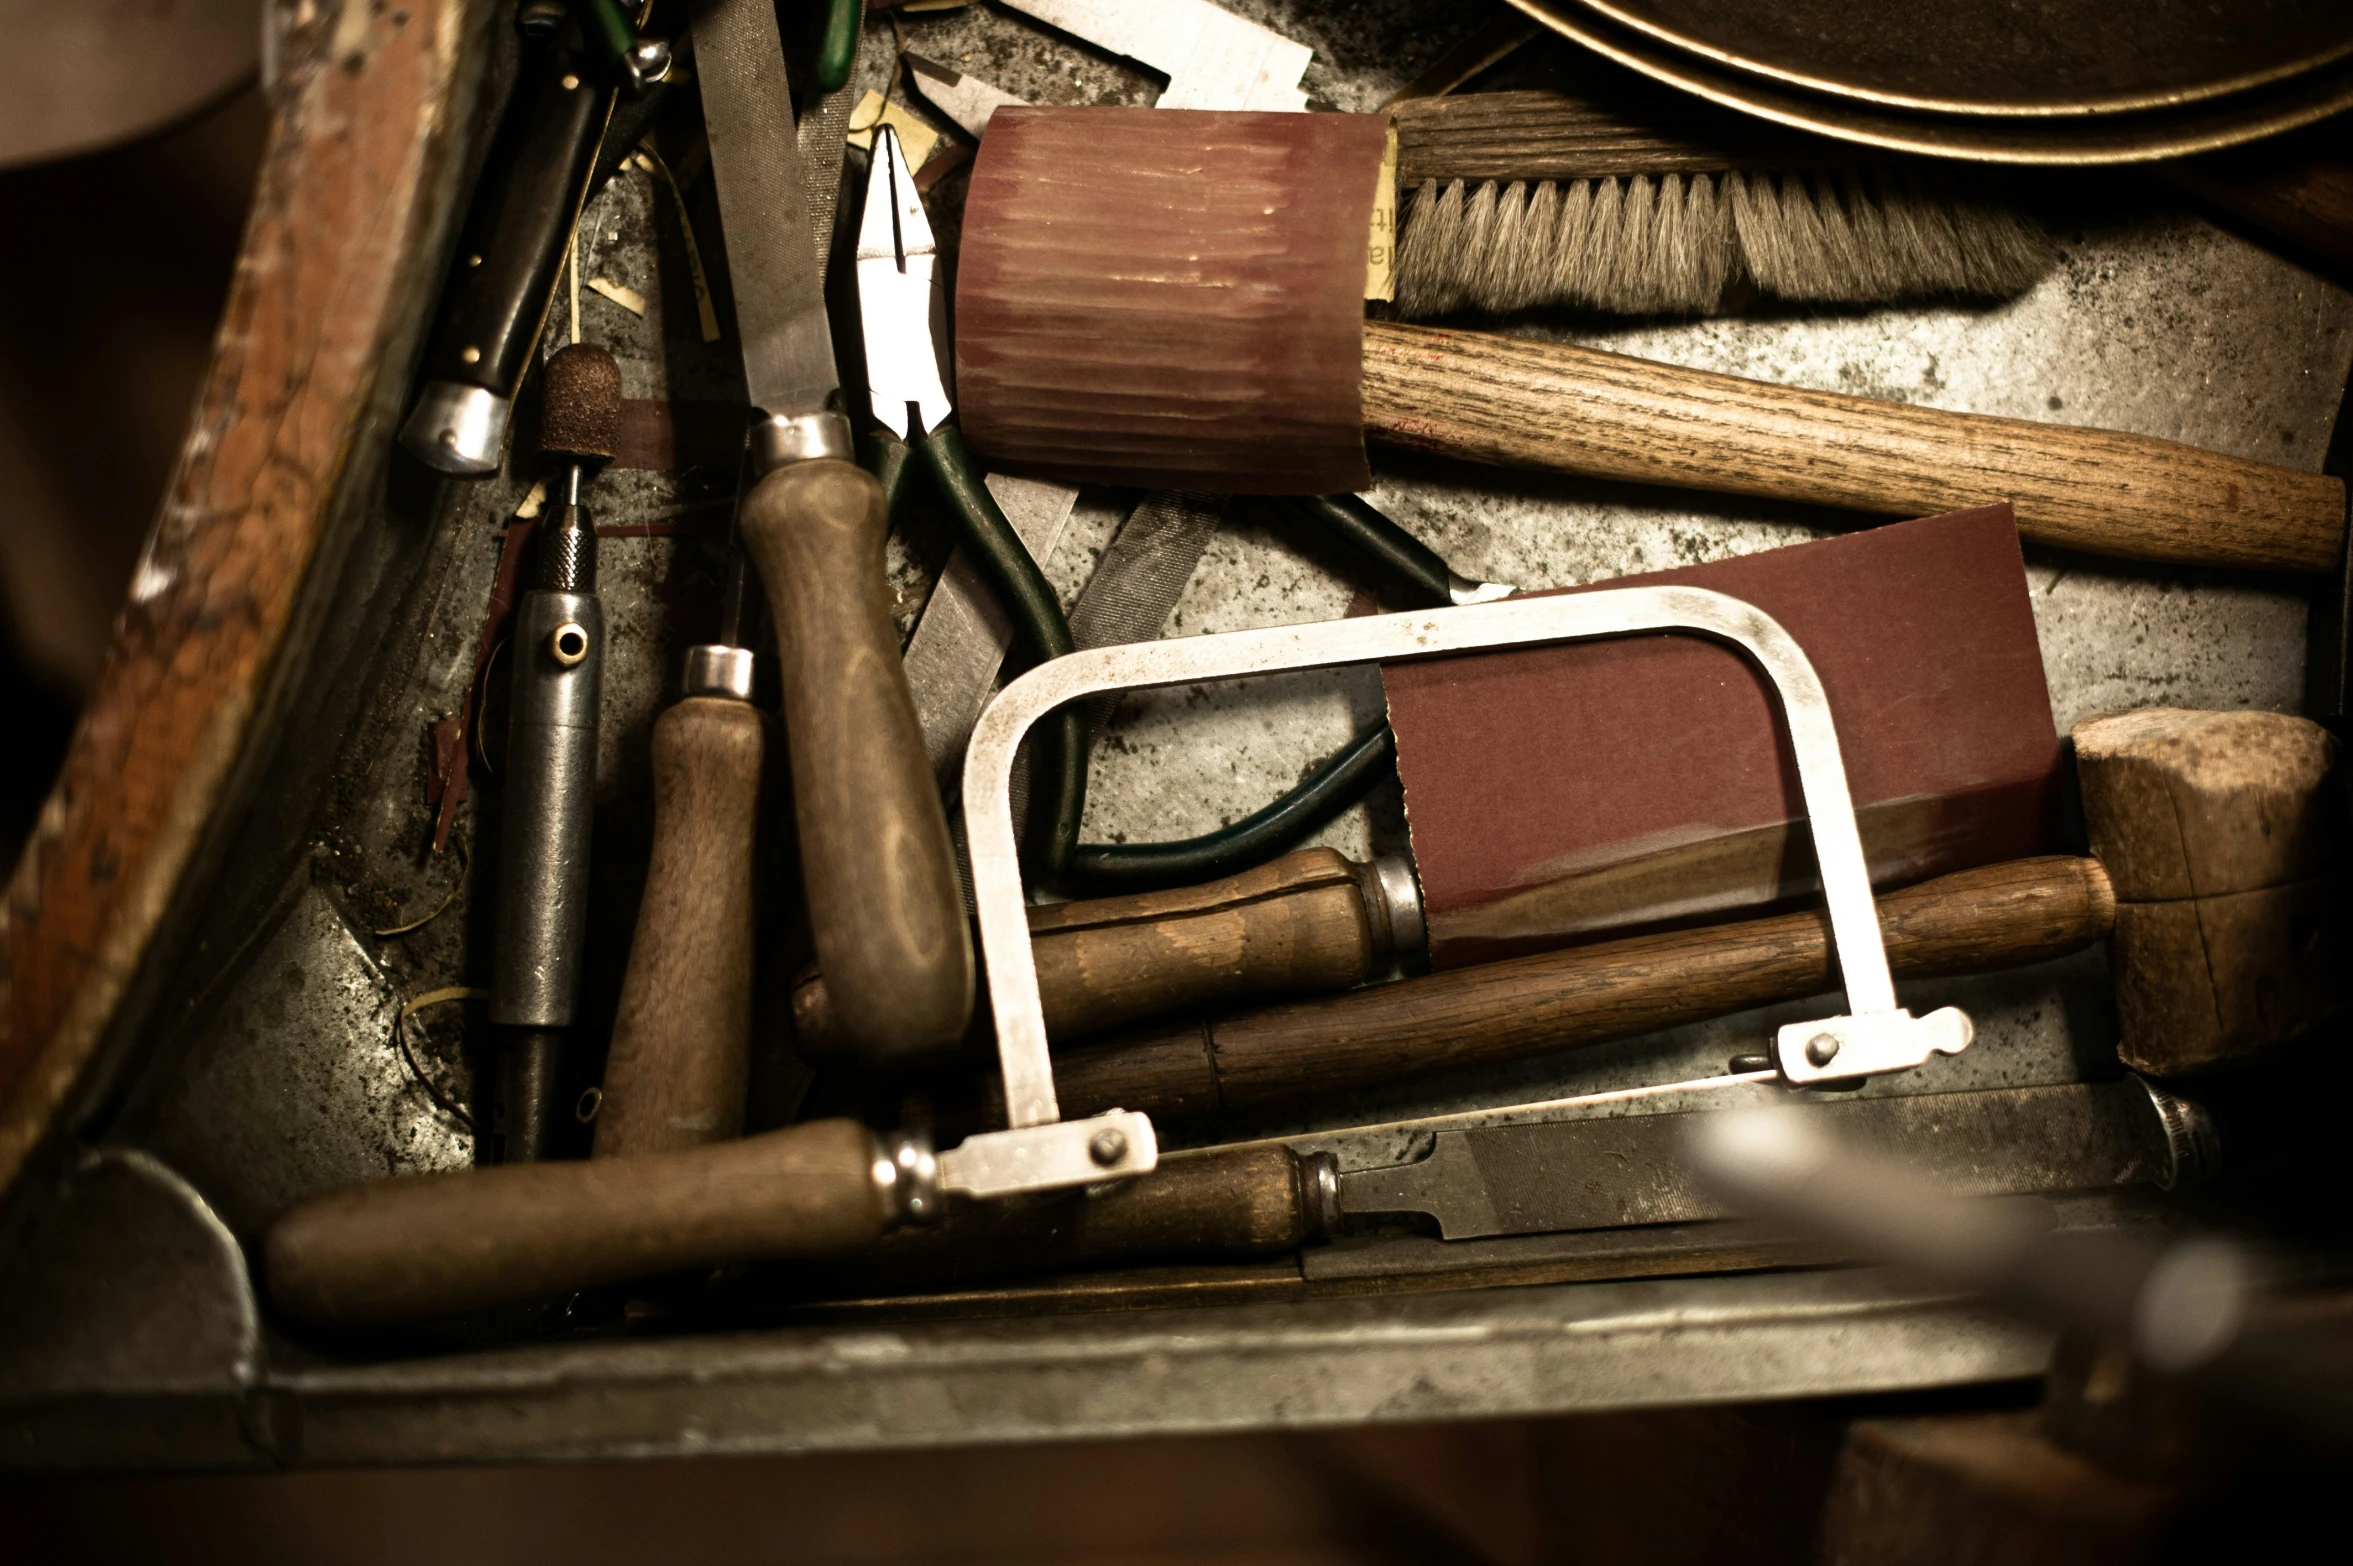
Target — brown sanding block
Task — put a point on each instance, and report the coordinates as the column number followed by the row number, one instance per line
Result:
column 1169, row 299
column 1559, row 794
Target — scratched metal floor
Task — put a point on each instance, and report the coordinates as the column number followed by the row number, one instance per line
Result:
column 132, row 1335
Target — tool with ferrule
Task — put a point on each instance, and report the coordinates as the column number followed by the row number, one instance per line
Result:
column 433, row 1244
column 515, row 238
column 1584, row 1170
column 2211, row 883
column 884, row 906
column 557, row 651
column 680, row 1057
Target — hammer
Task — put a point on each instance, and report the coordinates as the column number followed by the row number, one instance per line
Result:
column 2210, row 874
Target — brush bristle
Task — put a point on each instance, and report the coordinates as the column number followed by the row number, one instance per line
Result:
column 1675, row 244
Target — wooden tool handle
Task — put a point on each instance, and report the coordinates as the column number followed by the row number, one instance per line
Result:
column 442, row 1244
column 1299, row 925
column 1998, row 916
column 1248, row 1202
column 1578, row 410
column 681, row 1047
column 884, row 904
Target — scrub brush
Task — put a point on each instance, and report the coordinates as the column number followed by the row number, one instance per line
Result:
column 1525, row 200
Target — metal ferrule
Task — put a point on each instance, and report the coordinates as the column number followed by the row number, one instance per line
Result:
column 546, row 806
column 1319, row 1194
column 800, row 437
column 716, row 669
column 907, row 1178
column 457, row 429
column 567, row 551
column 1396, row 896
column 2189, row 1144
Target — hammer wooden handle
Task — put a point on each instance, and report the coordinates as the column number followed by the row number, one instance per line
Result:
column 1299, row 925
column 1998, row 916
column 1530, row 404
column 681, row 1049
column 884, row 904
column 442, row 1244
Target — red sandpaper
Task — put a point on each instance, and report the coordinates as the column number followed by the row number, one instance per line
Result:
column 1563, row 793
column 1169, row 298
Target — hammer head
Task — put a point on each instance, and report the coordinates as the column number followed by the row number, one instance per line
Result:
column 2221, row 834
column 581, row 421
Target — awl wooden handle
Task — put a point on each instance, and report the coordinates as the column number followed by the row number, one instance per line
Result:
column 681, row 1050
column 1520, row 403
column 1299, row 925
column 1998, row 916
column 441, row 1244
column 884, row 904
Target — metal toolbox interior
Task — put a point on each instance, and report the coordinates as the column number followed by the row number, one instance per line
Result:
column 247, row 1054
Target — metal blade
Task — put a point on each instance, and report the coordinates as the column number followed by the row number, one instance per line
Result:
column 1601, row 1174
column 1212, row 58
column 777, row 275
column 967, row 100
column 901, row 311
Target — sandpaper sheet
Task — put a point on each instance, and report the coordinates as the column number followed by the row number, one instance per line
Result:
column 1563, row 793
column 1169, row 298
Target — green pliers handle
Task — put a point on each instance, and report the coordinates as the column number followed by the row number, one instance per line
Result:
column 837, row 46
column 1058, row 769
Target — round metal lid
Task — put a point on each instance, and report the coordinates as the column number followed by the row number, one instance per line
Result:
column 1999, row 57
column 92, row 73
column 2176, row 131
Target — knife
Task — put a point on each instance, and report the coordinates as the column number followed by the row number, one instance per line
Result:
column 885, row 909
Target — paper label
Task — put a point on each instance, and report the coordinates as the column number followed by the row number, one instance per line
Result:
column 916, row 137
column 1380, row 257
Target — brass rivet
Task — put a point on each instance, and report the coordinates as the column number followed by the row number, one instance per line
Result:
column 471, row 356
column 473, row 260
column 570, row 81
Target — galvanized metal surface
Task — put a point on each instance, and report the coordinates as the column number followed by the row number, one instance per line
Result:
column 279, row 1076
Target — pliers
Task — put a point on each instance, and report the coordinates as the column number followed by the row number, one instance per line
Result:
column 902, row 319
column 902, row 313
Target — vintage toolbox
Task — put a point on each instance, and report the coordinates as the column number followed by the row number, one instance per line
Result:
column 240, row 972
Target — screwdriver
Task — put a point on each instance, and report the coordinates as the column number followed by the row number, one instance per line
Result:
column 558, row 654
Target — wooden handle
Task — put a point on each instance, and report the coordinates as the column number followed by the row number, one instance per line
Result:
column 1248, row 1202
column 884, row 904
column 2002, row 915
column 1519, row 403
column 442, row 1244
column 681, row 1049
column 1299, row 925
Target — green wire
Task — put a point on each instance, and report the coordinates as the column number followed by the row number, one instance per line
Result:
column 837, row 49
column 609, row 29
column 1102, row 869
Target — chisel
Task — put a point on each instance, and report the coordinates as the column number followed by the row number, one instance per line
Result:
column 884, row 904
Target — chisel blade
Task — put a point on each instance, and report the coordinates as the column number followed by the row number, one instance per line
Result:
column 777, row 275
column 1602, row 1174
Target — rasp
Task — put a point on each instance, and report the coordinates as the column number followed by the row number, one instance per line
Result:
column 884, row 905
